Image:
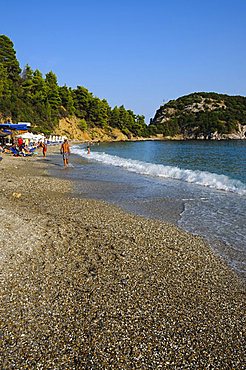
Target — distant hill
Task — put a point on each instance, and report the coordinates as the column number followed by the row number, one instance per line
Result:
column 202, row 115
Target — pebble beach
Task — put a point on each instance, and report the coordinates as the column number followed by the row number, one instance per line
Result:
column 85, row 285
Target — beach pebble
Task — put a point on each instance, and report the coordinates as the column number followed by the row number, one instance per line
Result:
column 16, row 195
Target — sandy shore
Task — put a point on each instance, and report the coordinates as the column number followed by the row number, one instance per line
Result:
column 86, row 286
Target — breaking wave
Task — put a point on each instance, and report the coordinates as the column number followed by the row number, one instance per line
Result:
column 203, row 178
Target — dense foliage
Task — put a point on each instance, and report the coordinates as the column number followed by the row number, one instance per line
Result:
column 25, row 95
column 200, row 114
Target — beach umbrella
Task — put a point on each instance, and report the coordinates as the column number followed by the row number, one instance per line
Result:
column 26, row 135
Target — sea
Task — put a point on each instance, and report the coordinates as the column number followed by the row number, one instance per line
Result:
column 200, row 186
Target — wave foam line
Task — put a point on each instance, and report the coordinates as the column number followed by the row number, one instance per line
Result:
column 203, row 178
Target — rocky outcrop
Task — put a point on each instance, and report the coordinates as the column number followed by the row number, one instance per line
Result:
column 202, row 116
column 70, row 127
column 239, row 134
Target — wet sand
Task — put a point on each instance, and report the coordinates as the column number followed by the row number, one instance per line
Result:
column 85, row 285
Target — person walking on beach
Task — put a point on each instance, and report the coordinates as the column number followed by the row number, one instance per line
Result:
column 65, row 151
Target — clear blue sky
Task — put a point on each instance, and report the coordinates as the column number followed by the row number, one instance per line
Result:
column 136, row 53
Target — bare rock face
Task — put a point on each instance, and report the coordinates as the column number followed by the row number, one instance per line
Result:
column 72, row 128
column 240, row 134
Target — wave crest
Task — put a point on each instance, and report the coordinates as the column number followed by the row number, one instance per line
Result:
column 203, row 178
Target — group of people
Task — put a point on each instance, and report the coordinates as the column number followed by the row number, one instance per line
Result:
column 21, row 146
column 18, row 148
column 64, row 150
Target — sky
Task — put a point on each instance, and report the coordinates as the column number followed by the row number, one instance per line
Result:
column 136, row 53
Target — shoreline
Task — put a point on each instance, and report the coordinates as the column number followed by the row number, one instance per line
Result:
column 132, row 193
column 165, row 138
column 87, row 285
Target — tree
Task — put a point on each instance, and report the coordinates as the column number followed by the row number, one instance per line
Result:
column 67, row 99
column 3, row 81
column 114, row 117
column 82, row 98
column 52, row 91
column 8, row 58
column 39, row 90
column 27, row 82
column 98, row 112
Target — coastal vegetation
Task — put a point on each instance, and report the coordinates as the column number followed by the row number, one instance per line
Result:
column 26, row 95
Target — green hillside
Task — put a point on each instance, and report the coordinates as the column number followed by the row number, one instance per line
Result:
column 200, row 115
column 27, row 95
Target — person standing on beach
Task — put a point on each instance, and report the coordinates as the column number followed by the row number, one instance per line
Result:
column 44, row 146
column 65, row 151
column 88, row 148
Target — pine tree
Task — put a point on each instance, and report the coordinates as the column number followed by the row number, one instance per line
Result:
column 27, row 83
column 67, row 99
column 82, row 98
column 8, row 58
column 3, row 81
column 52, row 91
column 98, row 112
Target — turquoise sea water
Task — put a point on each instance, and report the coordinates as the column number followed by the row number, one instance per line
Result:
column 219, row 157
column 198, row 185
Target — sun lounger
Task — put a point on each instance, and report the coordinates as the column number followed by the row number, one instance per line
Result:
column 32, row 150
column 14, row 151
column 17, row 153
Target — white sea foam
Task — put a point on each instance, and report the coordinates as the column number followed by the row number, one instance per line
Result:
column 203, row 178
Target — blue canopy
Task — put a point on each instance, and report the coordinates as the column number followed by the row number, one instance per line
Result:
column 12, row 126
